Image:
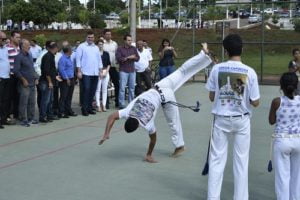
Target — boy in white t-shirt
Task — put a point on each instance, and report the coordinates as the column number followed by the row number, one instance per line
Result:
column 142, row 110
column 233, row 89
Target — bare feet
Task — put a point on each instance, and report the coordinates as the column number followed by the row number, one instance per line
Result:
column 103, row 140
column 149, row 159
column 177, row 151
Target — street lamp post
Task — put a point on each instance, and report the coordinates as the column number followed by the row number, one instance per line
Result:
column 94, row 6
column 179, row 5
column 160, row 14
column 149, row 13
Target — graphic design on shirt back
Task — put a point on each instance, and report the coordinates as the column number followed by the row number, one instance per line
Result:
column 232, row 87
column 142, row 110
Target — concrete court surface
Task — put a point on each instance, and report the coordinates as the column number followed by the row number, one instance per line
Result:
column 62, row 161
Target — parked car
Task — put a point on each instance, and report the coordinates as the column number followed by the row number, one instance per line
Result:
column 296, row 14
column 284, row 14
column 254, row 19
column 268, row 11
column 113, row 16
column 244, row 14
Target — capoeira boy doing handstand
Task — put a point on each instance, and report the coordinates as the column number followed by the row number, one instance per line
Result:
column 142, row 110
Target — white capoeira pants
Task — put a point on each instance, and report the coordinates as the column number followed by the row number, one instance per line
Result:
column 286, row 157
column 223, row 128
column 173, row 82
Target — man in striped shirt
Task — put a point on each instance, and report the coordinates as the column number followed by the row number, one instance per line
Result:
column 13, row 51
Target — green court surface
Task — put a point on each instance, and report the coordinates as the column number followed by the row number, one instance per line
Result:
column 62, row 161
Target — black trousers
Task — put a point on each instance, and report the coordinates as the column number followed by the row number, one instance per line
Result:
column 4, row 99
column 114, row 75
column 55, row 99
column 13, row 96
column 89, row 84
column 143, row 82
column 66, row 95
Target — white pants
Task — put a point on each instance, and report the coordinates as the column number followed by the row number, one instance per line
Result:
column 102, row 85
column 223, row 128
column 170, row 84
column 286, row 158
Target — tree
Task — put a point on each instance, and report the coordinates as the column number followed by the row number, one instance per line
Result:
column 46, row 14
column 13, row 11
column 96, row 21
column 84, row 16
column 106, row 6
column 73, row 14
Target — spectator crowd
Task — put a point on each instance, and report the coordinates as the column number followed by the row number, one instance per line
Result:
column 32, row 77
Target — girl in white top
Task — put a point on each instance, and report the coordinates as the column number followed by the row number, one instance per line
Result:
column 285, row 114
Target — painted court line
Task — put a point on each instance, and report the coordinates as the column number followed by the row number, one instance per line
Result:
column 45, row 134
column 51, row 152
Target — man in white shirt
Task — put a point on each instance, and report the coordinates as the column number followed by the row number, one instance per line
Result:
column 89, row 65
column 111, row 47
column 35, row 50
column 4, row 81
column 143, row 109
column 142, row 67
column 233, row 89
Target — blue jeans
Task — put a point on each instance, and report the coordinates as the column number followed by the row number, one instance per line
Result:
column 45, row 99
column 165, row 71
column 124, row 79
column 89, row 84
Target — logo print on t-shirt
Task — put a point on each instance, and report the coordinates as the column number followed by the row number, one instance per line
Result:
column 232, row 87
column 142, row 110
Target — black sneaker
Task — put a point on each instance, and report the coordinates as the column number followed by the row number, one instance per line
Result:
column 33, row 121
column 72, row 114
column 84, row 113
column 92, row 112
column 25, row 123
column 43, row 120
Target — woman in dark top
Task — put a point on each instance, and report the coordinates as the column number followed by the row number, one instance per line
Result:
column 103, row 78
column 166, row 54
column 294, row 66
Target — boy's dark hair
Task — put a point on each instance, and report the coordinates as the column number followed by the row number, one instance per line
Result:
column 90, row 33
column 295, row 50
column 52, row 45
column 106, row 30
column 126, row 35
column 13, row 33
column 289, row 83
column 131, row 125
column 47, row 43
column 233, row 44
column 66, row 49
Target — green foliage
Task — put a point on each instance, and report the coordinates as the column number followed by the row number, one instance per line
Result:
column 45, row 14
column 13, row 11
column 213, row 13
column 170, row 12
column 95, row 21
column 123, row 31
column 275, row 19
column 84, row 16
column 124, row 18
column 61, row 17
column 106, row 6
column 297, row 25
column 40, row 39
